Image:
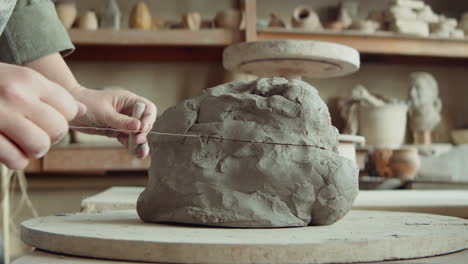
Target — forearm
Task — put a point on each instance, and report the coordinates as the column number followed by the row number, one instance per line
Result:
column 54, row 68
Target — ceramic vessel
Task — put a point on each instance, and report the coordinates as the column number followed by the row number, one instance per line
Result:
column 111, row 16
column 276, row 21
column 230, row 18
column 88, row 21
column 306, row 18
column 140, row 17
column 405, row 163
column 67, row 13
column 464, row 23
column 460, row 137
column 192, row 20
column 383, row 126
column 335, row 26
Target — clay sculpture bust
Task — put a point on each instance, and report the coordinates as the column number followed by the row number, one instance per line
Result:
column 425, row 106
column 263, row 154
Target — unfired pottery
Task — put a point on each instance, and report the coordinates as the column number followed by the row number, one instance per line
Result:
column 271, row 159
column 276, row 21
column 405, row 163
column 140, row 17
column 383, row 126
column 230, row 18
column 464, row 23
column 335, row 26
column 88, row 21
column 67, row 13
column 305, row 18
column 425, row 105
column 191, row 20
column 365, row 26
column 460, row 136
column 111, row 16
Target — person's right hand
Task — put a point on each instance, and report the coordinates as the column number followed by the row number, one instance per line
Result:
column 34, row 114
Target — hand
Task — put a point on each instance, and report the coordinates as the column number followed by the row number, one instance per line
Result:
column 34, row 113
column 113, row 109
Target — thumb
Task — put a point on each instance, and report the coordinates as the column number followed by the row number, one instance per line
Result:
column 123, row 122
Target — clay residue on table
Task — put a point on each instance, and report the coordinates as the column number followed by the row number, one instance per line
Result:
column 224, row 182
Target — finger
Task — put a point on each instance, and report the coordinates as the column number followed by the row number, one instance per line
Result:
column 149, row 117
column 49, row 120
column 140, row 138
column 60, row 99
column 142, row 151
column 31, row 139
column 120, row 121
column 123, row 139
column 10, row 155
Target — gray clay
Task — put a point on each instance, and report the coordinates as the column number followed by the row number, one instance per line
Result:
column 231, row 178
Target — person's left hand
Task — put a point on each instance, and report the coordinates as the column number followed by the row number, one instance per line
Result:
column 113, row 109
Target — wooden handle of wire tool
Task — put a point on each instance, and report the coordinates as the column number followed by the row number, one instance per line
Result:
column 138, row 110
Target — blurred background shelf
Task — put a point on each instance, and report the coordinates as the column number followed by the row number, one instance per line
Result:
column 381, row 43
column 85, row 158
column 175, row 37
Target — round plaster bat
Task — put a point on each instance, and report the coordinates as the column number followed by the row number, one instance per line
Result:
column 292, row 59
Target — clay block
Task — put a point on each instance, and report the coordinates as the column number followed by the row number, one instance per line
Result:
column 271, row 159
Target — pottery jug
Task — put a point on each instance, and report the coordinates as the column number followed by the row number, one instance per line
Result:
column 140, row 17
column 230, row 18
column 67, row 13
column 405, row 163
column 383, row 126
column 88, row 21
column 306, row 18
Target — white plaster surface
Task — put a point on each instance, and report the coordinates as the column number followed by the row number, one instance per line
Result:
column 361, row 236
column 41, row 257
column 313, row 59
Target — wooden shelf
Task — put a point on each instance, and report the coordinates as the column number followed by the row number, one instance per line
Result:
column 379, row 43
column 83, row 158
column 176, row 37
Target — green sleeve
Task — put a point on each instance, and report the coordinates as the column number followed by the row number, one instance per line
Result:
column 33, row 31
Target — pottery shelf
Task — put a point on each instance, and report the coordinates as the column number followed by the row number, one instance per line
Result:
column 83, row 158
column 381, row 43
column 176, row 37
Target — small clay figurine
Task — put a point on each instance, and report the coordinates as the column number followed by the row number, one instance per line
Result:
column 192, row 20
column 140, row 17
column 111, row 16
column 88, row 21
column 67, row 13
column 306, row 18
column 425, row 106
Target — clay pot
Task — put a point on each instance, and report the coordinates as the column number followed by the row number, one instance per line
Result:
column 230, row 19
column 192, row 20
column 335, row 26
column 140, row 17
column 67, row 13
column 306, row 18
column 159, row 23
column 276, row 21
column 405, row 163
column 383, row 126
column 460, row 137
column 88, row 21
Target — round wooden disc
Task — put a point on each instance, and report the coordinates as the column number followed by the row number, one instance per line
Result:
column 361, row 236
column 291, row 58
